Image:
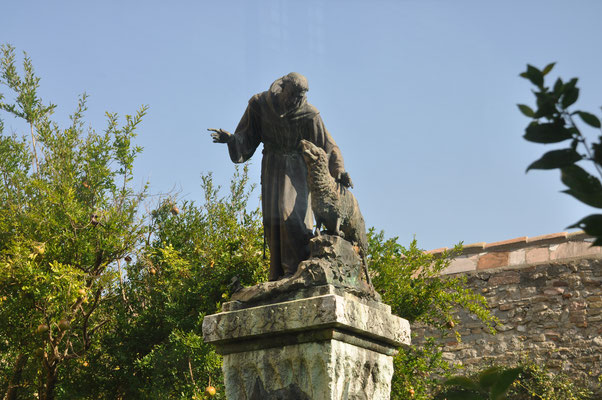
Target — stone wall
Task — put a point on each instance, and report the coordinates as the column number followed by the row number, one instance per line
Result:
column 546, row 292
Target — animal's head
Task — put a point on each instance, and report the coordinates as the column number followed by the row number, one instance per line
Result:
column 311, row 153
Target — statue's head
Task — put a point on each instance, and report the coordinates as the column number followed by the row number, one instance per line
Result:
column 290, row 90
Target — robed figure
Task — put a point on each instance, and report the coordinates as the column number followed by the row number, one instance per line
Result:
column 279, row 118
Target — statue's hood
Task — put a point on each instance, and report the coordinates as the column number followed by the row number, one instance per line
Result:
column 304, row 110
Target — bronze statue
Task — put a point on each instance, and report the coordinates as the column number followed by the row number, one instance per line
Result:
column 280, row 118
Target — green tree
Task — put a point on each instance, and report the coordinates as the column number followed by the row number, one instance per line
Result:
column 554, row 122
column 410, row 281
column 67, row 214
column 155, row 349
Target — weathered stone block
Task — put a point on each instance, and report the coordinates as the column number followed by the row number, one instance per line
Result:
column 553, row 291
column 595, row 304
column 572, row 250
column 323, row 347
column 493, row 260
column 462, row 264
column 517, row 257
column 537, row 255
column 315, row 370
column 504, row 278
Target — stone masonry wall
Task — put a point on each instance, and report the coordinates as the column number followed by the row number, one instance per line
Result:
column 546, row 292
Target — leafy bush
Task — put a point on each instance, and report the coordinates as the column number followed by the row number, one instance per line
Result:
column 410, row 281
column 527, row 381
column 536, row 382
column 491, row 384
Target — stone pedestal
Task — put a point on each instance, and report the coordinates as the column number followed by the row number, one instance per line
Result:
column 329, row 344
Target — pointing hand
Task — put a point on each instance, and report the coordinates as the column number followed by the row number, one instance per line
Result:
column 220, row 135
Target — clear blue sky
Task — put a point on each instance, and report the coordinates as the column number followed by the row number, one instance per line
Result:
column 419, row 95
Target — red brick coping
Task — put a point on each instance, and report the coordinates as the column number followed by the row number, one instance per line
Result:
column 522, row 251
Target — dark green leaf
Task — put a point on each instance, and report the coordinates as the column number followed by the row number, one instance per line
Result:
column 546, row 105
column 548, row 68
column 488, row 377
column 597, row 242
column 577, row 178
column 556, row 159
column 552, row 132
column 584, row 198
column 526, row 110
column 574, row 144
column 583, row 186
column 589, row 119
column 534, row 75
column 592, row 225
column 597, row 147
column 503, row 383
column 570, row 96
column 462, row 381
column 572, row 83
column 460, row 395
column 558, row 87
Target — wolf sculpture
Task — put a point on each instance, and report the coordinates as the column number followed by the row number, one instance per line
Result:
column 333, row 205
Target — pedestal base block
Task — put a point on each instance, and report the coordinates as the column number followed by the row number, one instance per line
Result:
column 317, row 371
column 318, row 348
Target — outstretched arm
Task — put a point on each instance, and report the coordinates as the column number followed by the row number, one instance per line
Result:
column 241, row 144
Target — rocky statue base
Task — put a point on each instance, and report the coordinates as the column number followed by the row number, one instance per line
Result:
column 321, row 334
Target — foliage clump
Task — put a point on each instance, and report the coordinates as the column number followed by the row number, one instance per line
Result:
column 67, row 215
column 526, row 381
column 410, row 281
column 184, row 272
column 554, row 122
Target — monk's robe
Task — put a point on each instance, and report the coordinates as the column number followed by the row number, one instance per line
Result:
column 287, row 216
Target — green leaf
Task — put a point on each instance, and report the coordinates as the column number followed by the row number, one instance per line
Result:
column 556, row 159
column 572, row 83
column 583, row 186
column 461, row 381
column 558, row 87
column 503, row 383
column 592, row 225
column 458, row 394
column 552, row 132
column 571, row 94
column 548, row 68
column 589, row 119
column 546, row 104
column 526, row 110
column 597, row 147
column 584, row 198
column 534, row 75
column 488, row 377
